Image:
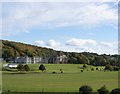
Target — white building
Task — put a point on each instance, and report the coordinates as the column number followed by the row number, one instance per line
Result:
column 33, row 60
column 12, row 65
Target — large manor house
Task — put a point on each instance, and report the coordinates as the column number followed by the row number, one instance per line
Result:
column 34, row 60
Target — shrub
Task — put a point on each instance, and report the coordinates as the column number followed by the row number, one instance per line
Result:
column 108, row 67
column 20, row 67
column 42, row 67
column 85, row 66
column 92, row 69
column 81, row 70
column 116, row 68
column 115, row 91
column 6, row 69
column 61, row 71
column 26, row 68
column 97, row 69
column 53, row 72
column 85, row 89
column 103, row 90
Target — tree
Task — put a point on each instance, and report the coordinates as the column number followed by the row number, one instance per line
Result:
column 61, row 70
column 42, row 67
column 53, row 72
column 97, row 68
column 81, row 70
column 20, row 67
column 85, row 89
column 99, row 61
column 108, row 67
column 26, row 68
column 81, row 59
column 92, row 69
column 116, row 68
column 115, row 91
column 72, row 60
column 28, row 53
column 85, row 66
column 103, row 90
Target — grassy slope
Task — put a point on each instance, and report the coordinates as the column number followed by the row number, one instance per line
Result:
column 71, row 80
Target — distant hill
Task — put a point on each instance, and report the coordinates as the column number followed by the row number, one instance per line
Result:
column 12, row 49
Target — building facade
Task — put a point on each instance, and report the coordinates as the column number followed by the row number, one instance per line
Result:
column 34, row 60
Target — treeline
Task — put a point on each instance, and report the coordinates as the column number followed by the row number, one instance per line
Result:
column 93, row 59
column 14, row 49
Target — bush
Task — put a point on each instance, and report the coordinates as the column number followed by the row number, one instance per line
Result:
column 81, row 70
column 61, row 71
column 115, row 91
column 6, row 69
column 108, row 67
column 116, row 68
column 26, row 68
column 42, row 67
column 20, row 67
column 85, row 66
column 53, row 72
column 97, row 69
column 85, row 89
column 92, row 69
column 103, row 90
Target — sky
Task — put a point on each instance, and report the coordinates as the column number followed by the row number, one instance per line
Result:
column 64, row 26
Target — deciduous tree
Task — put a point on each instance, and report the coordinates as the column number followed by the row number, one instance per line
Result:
column 42, row 67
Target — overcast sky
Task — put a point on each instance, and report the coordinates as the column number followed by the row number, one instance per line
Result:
column 70, row 26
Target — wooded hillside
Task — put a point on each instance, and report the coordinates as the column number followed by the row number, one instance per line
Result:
column 12, row 49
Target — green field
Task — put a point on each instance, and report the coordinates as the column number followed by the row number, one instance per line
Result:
column 69, row 81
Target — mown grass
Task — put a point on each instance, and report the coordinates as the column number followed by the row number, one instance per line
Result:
column 67, row 68
column 69, row 81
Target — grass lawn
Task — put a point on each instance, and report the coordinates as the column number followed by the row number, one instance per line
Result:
column 69, row 81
